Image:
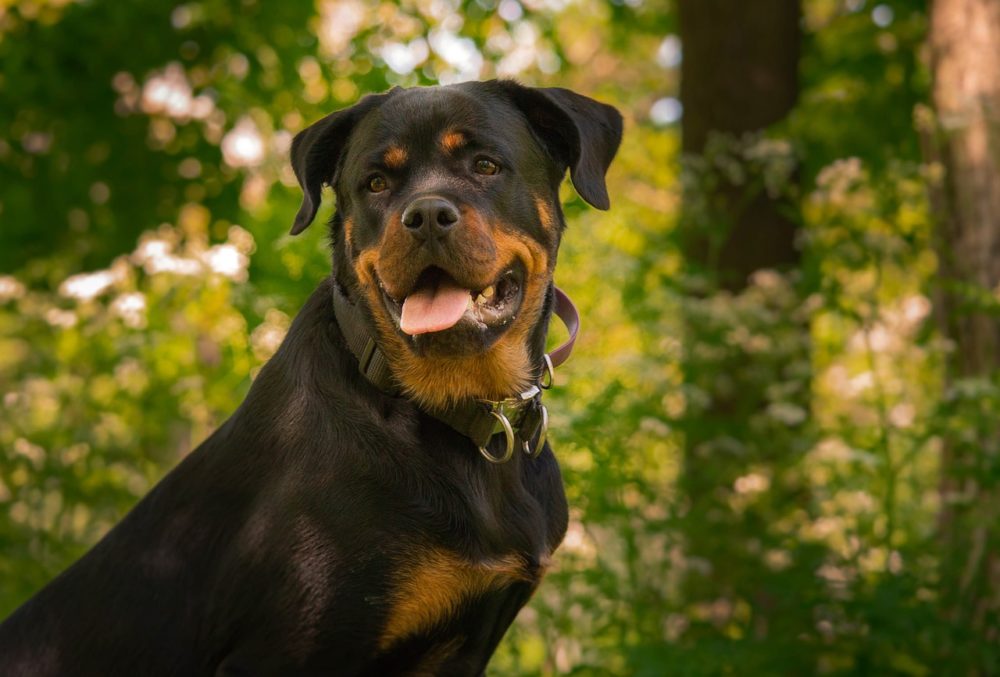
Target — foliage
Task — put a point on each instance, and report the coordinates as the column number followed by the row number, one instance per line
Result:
column 753, row 476
column 109, row 383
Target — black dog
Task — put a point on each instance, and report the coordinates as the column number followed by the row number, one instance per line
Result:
column 343, row 521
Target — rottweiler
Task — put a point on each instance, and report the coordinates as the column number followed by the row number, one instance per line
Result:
column 384, row 500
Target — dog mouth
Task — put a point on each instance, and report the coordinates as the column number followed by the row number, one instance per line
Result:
column 438, row 303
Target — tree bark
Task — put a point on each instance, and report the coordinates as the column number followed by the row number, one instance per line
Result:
column 740, row 74
column 965, row 49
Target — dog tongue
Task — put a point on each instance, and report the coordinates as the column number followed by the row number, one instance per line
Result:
column 433, row 308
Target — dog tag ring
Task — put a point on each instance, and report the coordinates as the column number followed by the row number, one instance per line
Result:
column 509, row 433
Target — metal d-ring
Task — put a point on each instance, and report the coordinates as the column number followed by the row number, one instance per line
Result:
column 543, row 433
column 550, row 372
column 509, row 432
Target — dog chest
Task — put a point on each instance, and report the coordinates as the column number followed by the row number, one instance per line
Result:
column 437, row 583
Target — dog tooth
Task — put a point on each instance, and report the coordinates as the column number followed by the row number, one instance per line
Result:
column 469, row 306
column 480, row 300
column 488, row 292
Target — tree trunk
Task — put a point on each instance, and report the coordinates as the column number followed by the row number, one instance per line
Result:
column 740, row 74
column 965, row 47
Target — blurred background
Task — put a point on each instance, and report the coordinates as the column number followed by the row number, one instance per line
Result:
column 779, row 432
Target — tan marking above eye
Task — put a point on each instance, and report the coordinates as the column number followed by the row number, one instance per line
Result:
column 451, row 141
column 395, row 157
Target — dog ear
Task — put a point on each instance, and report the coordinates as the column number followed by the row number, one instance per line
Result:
column 578, row 132
column 316, row 152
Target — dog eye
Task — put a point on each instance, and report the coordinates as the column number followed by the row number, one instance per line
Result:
column 377, row 183
column 487, row 167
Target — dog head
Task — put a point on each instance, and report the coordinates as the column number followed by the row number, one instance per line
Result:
column 448, row 222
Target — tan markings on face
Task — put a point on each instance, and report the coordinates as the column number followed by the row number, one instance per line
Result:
column 452, row 141
column 536, row 280
column 512, row 243
column 395, row 157
column 545, row 213
column 398, row 250
column 505, row 369
column 438, row 582
column 348, row 229
column 437, row 382
column 364, row 268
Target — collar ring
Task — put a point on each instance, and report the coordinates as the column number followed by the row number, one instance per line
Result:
column 548, row 377
column 508, row 432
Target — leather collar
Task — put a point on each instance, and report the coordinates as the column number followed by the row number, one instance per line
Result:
column 520, row 418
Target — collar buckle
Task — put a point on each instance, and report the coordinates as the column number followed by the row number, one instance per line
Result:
column 513, row 408
column 522, row 417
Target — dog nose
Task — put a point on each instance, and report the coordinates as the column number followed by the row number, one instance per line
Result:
column 430, row 216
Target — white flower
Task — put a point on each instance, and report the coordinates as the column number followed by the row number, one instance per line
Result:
column 227, row 260
column 87, row 286
column 131, row 307
column 753, row 483
column 10, row 288
column 243, row 146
